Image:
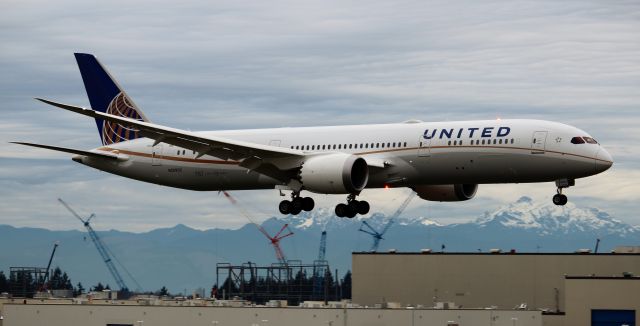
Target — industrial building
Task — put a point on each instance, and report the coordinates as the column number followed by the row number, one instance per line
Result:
column 108, row 313
column 568, row 287
column 426, row 288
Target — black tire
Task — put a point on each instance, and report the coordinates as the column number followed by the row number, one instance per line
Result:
column 560, row 199
column 351, row 213
column 363, row 207
column 295, row 210
column 308, row 204
column 353, row 207
column 285, row 207
column 341, row 210
column 296, row 205
column 564, row 200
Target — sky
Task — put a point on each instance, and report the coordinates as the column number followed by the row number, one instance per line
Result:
column 213, row 65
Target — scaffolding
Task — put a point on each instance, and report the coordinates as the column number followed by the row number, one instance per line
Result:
column 293, row 282
column 24, row 282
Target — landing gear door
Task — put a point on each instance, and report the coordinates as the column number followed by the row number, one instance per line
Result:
column 424, row 147
column 538, row 142
column 275, row 143
column 156, row 155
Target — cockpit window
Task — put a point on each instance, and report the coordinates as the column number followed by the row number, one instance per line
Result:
column 590, row 140
column 577, row 140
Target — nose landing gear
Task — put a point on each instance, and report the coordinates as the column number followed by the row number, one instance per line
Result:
column 296, row 205
column 352, row 207
column 560, row 199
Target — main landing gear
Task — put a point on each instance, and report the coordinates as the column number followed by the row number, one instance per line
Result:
column 296, row 205
column 352, row 207
column 560, row 199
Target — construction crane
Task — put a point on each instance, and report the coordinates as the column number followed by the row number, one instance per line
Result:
column 378, row 235
column 319, row 268
column 46, row 275
column 323, row 246
column 102, row 249
column 275, row 240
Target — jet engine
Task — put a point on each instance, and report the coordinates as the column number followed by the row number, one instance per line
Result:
column 455, row 192
column 338, row 173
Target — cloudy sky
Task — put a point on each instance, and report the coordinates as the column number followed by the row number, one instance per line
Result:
column 207, row 65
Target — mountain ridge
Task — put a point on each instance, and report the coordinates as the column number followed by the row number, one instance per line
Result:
column 182, row 258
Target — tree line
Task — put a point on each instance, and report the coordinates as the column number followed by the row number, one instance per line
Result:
column 25, row 284
column 300, row 287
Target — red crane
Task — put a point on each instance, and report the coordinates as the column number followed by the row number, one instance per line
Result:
column 275, row 240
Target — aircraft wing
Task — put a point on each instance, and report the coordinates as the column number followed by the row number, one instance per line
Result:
column 203, row 145
column 276, row 162
column 70, row 150
column 272, row 161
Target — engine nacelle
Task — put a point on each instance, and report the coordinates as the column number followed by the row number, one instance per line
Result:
column 456, row 192
column 338, row 173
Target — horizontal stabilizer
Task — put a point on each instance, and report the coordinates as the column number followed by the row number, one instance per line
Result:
column 70, row 150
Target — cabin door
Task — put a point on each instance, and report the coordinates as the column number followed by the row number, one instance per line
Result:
column 156, row 155
column 424, row 147
column 538, row 142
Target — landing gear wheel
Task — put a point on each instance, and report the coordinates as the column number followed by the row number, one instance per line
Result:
column 295, row 210
column 363, row 207
column 353, row 207
column 308, row 204
column 296, row 206
column 285, row 207
column 560, row 199
column 342, row 210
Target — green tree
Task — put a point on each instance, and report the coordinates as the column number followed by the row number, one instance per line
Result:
column 4, row 283
column 346, row 286
column 78, row 290
column 55, row 280
column 59, row 280
column 228, row 288
column 163, row 291
column 329, row 285
column 98, row 288
column 66, row 282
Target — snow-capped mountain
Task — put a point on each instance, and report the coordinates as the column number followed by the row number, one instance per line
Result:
column 523, row 214
column 547, row 219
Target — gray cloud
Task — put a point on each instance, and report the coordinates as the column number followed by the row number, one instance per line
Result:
column 245, row 64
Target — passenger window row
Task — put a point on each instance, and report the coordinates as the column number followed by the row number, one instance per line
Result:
column 483, row 142
column 349, row 146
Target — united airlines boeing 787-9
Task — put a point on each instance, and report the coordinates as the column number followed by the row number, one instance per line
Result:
column 440, row 161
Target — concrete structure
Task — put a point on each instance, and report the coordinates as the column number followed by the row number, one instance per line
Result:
column 477, row 280
column 592, row 295
column 136, row 315
column 627, row 250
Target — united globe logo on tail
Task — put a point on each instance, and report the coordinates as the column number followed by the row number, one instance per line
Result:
column 114, row 132
column 105, row 95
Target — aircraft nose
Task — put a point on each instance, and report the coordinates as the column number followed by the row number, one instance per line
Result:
column 603, row 160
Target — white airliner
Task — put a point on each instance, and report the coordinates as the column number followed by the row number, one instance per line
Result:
column 441, row 161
